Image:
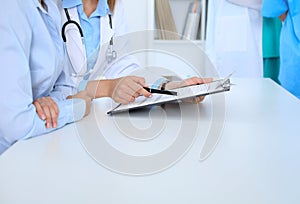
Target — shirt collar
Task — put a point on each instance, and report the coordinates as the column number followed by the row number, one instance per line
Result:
column 38, row 5
column 71, row 3
column 101, row 10
column 51, row 7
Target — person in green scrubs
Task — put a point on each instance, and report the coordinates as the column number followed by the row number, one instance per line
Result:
column 271, row 41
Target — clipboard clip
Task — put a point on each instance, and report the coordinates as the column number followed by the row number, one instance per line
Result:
column 225, row 83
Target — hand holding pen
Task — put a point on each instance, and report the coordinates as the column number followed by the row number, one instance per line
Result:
column 124, row 90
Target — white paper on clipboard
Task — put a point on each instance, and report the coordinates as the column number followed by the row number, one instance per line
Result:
column 182, row 93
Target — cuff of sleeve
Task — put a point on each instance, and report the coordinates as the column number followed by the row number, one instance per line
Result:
column 82, row 85
column 71, row 110
column 79, row 107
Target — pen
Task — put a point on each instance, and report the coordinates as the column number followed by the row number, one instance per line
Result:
column 160, row 91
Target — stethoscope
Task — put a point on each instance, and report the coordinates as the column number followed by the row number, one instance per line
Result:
column 111, row 54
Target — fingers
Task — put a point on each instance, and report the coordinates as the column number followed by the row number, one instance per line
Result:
column 39, row 110
column 199, row 99
column 54, row 117
column 137, row 87
column 139, row 80
column 53, row 111
column 129, row 88
column 197, row 80
column 193, row 81
column 54, row 106
column 123, row 93
column 188, row 82
column 47, row 110
column 48, row 116
column 206, row 80
column 141, row 91
column 283, row 16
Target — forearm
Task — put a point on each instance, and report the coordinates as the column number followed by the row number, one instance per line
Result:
column 27, row 124
column 100, row 88
column 66, row 115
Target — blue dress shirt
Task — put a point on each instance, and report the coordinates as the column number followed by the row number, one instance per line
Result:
column 90, row 27
column 32, row 63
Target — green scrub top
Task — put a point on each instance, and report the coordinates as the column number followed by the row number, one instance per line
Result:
column 271, row 41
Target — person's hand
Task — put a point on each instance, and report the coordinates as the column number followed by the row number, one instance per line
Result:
column 189, row 82
column 283, row 16
column 47, row 110
column 83, row 95
column 126, row 89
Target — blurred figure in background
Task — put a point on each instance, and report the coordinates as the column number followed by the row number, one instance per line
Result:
column 289, row 12
column 234, row 39
column 271, row 56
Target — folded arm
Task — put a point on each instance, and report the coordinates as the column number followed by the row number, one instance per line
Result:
column 19, row 119
column 274, row 8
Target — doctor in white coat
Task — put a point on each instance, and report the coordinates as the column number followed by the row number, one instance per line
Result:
column 90, row 30
column 93, row 31
column 234, row 37
column 93, row 46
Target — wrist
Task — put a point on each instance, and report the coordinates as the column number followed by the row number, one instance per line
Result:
column 99, row 88
column 91, row 89
column 109, row 87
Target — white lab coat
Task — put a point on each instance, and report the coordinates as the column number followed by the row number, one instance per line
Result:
column 254, row 4
column 234, row 37
column 122, row 66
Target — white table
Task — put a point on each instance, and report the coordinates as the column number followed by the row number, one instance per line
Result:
column 257, row 159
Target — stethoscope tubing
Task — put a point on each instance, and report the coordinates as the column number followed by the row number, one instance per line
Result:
column 111, row 54
column 69, row 21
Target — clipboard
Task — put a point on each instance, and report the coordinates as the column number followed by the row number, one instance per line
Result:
column 187, row 92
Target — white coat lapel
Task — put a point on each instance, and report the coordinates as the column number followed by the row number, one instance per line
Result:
column 74, row 44
column 105, row 35
column 106, row 31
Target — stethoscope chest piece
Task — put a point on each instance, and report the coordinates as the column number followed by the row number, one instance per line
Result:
column 111, row 54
